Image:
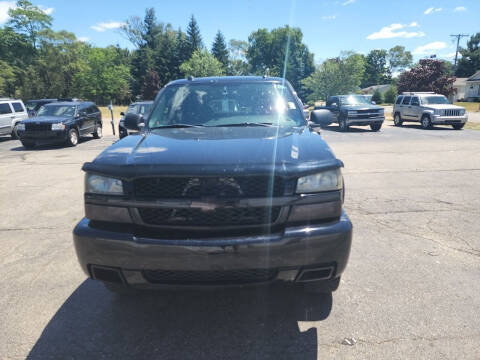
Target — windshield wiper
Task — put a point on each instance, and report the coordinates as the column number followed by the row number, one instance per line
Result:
column 173, row 126
column 246, row 124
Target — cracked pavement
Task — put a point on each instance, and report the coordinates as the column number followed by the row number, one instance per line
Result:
column 411, row 289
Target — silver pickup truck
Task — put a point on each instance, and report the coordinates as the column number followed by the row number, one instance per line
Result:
column 429, row 109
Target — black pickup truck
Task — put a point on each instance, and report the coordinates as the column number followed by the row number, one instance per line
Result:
column 348, row 110
column 226, row 184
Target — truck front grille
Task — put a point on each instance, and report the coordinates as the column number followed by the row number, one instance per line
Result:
column 209, row 277
column 38, row 127
column 369, row 113
column 452, row 112
column 218, row 187
column 217, row 217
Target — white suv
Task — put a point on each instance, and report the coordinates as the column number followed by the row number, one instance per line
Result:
column 429, row 109
column 11, row 113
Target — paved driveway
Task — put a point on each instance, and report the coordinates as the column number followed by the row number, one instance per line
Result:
column 411, row 289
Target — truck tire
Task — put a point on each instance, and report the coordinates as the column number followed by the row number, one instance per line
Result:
column 14, row 134
column 322, row 117
column 397, row 119
column 426, row 122
column 458, row 126
column 376, row 127
column 97, row 134
column 342, row 123
column 72, row 137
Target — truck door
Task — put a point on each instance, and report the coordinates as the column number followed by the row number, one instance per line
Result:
column 405, row 108
column 415, row 109
column 333, row 104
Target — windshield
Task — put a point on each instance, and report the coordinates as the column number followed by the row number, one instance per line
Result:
column 432, row 100
column 222, row 104
column 57, row 110
column 141, row 109
column 354, row 100
column 31, row 106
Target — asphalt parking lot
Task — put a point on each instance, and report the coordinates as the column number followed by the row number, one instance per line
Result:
column 411, row 289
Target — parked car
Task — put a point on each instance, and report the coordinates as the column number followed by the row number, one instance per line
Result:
column 141, row 108
column 34, row 105
column 227, row 185
column 348, row 110
column 429, row 109
column 59, row 122
column 12, row 112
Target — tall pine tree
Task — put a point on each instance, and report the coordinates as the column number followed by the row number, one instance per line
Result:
column 193, row 36
column 219, row 49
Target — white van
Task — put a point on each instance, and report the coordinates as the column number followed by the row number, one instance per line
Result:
column 11, row 113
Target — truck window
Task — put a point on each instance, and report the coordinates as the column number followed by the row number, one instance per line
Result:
column 399, row 100
column 415, row 101
column 406, row 100
column 5, row 109
column 18, row 107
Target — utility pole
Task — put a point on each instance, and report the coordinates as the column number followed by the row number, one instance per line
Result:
column 458, row 36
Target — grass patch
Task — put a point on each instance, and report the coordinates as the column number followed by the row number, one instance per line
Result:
column 472, row 126
column 469, row 106
column 106, row 116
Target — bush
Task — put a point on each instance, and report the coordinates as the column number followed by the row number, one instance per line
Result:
column 377, row 97
column 390, row 95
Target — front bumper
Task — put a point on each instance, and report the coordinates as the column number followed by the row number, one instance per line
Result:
column 449, row 120
column 365, row 121
column 43, row 136
column 286, row 253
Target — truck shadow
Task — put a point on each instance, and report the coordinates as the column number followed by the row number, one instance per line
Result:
column 252, row 323
column 336, row 128
column 419, row 127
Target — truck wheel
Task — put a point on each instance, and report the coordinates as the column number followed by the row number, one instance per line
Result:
column 97, row 134
column 426, row 122
column 397, row 120
column 322, row 286
column 375, row 127
column 342, row 123
column 72, row 137
column 27, row 144
column 15, row 133
column 458, row 126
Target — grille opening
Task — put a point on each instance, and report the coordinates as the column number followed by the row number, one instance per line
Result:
column 106, row 274
column 218, row 187
column 217, row 277
column 218, row 217
column 315, row 274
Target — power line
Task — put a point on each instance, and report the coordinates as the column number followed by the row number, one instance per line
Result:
column 458, row 36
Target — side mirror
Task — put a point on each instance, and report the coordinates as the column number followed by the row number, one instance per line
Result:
column 133, row 122
column 122, row 113
column 313, row 125
column 374, row 103
column 334, row 105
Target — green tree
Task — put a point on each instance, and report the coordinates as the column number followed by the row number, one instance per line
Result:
column 376, row 70
column 283, row 53
column 399, row 59
column 193, row 36
column 341, row 75
column 238, row 65
column 29, row 19
column 377, row 97
column 390, row 95
column 219, row 49
column 201, row 64
column 7, row 79
column 152, row 85
column 469, row 63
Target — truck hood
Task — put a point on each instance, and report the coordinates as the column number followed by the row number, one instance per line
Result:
column 444, row 106
column 47, row 119
column 216, row 150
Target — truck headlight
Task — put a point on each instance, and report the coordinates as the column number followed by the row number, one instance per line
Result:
column 21, row 127
column 97, row 184
column 329, row 180
column 352, row 113
column 58, row 126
